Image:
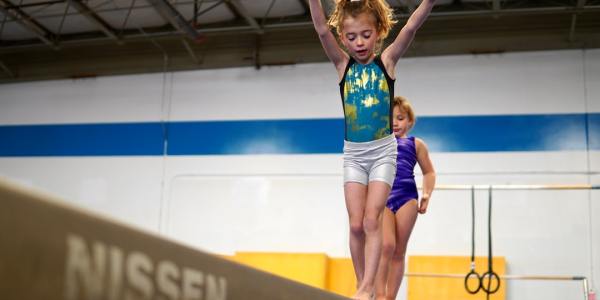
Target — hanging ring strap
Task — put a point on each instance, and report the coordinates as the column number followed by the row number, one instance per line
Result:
column 472, row 276
column 493, row 280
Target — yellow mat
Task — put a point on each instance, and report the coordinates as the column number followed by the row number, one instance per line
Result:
column 421, row 288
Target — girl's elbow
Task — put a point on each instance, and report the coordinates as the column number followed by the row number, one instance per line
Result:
column 411, row 29
column 322, row 31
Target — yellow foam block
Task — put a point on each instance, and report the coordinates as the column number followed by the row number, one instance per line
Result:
column 340, row 277
column 423, row 288
column 308, row 268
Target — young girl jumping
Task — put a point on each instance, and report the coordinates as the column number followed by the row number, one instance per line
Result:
column 367, row 89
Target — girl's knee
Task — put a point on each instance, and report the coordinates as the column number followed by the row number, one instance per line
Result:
column 399, row 254
column 387, row 249
column 371, row 224
column 356, row 228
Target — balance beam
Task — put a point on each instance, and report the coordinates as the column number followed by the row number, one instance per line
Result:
column 54, row 251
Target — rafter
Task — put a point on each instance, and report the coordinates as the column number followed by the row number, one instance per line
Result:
column 590, row 10
column 21, row 17
column 239, row 10
column 91, row 16
column 172, row 15
column 199, row 13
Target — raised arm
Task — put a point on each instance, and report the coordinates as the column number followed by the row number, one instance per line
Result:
column 396, row 49
column 337, row 56
column 428, row 174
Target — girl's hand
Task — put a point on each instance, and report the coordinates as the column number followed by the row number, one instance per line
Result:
column 423, row 204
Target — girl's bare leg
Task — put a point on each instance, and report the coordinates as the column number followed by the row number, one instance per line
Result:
column 406, row 217
column 387, row 251
column 377, row 194
column 356, row 199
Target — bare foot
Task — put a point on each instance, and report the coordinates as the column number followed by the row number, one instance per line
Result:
column 363, row 296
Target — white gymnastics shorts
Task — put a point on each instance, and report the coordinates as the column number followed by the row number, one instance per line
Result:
column 371, row 161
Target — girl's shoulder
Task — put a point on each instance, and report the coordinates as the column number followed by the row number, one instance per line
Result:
column 420, row 144
column 408, row 138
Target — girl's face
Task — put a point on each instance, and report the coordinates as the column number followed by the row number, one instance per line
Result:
column 359, row 36
column 401, row 123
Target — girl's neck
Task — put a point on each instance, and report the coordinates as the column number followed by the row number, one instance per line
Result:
column 368, row 61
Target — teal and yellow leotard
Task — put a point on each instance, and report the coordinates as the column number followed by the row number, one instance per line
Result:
column 367, row 92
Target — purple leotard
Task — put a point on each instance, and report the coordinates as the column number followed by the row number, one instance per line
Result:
column 404, row 188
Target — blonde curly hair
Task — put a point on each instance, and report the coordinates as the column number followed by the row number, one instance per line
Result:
column 380, row 9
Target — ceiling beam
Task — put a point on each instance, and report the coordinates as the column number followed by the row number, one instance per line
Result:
column 28, row 22
column 91, row 16
column 235, row 27
column 172, row 15
column 239, row 10
column 36, row 4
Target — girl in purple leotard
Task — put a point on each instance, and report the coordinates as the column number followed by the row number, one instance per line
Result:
column 401, row 210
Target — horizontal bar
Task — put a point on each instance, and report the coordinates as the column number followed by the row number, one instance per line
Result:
column 506, row 277
column 463, row 187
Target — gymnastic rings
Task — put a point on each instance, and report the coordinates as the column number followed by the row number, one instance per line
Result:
column 493, row 280
column 490, row 287
column 472, row 275
column 469, row 278
column 490, row 274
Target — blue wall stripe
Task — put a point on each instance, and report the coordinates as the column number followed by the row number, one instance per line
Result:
column 504, row 133
column 556, row 132
column 82, row 139
column 255, row 137
column 594, row 130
